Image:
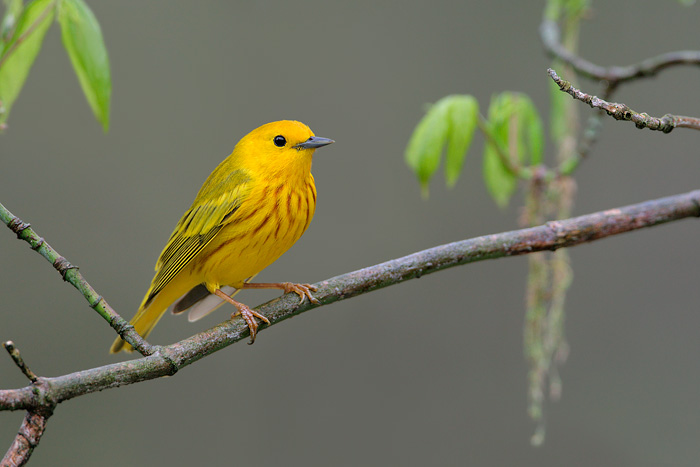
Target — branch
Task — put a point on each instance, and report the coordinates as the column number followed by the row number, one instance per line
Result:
column 34, row 423
column 70, row 274
column 169, row 359
column 588, row 138
column 19, row 361
column 549, row 32
column 27, row 439
column 622, row 112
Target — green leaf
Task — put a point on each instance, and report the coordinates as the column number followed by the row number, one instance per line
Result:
column 463, row 115
column 83, row 41
column 500, row 181
column 576, row 8
column 19, row 53
column 425, row 146
column 515, row 138
column 530, row 130
column 13, row 10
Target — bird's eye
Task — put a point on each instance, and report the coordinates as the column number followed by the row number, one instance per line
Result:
column 280, row 141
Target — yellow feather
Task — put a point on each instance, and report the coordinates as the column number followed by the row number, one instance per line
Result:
column 252, row 208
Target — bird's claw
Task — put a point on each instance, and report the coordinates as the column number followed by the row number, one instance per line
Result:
column 303, row 290
column 249, row 316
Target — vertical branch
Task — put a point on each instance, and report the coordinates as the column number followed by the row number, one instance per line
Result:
column 549, row 275
column 560, row 263
column 538, row 280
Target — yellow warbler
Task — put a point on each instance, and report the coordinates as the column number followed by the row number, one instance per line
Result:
column 250, row 210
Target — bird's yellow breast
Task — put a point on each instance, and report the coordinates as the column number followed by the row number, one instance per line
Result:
column 271, row 219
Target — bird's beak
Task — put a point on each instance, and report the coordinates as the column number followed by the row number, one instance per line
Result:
column 314, row 142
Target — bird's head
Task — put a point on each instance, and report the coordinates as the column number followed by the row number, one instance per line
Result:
column 283, row 148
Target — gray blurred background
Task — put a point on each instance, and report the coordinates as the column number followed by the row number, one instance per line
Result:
column 369, row 381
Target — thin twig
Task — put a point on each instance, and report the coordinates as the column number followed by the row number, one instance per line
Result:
column 549, row 32
column 70, row 274
column 19, row 361
column 588, row 138
column 548, row 237
column 622, row 112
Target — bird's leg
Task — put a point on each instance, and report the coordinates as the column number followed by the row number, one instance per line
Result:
column 303, row 290
column 246, row 312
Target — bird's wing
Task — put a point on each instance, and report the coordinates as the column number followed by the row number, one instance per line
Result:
column 213, row 208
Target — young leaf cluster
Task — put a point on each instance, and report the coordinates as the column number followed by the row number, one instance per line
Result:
column 22, row 31
column 513, row 146
column 450, row 124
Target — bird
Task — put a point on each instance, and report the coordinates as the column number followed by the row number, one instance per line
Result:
column 250, row 210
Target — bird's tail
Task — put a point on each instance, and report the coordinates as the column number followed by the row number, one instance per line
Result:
column 144, row 322
column 150, row 313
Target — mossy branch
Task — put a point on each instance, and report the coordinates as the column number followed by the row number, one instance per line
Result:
column 167, row 360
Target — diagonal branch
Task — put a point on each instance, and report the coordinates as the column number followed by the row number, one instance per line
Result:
column 71, row 275
column 19, row 361
column 548, row 237
column 622, row 112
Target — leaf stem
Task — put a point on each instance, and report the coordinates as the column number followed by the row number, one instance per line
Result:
column 515, row 169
